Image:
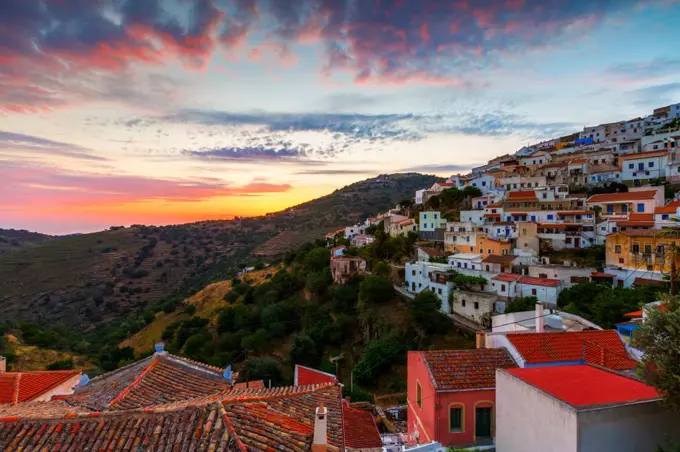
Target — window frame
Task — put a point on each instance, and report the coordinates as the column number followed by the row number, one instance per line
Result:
column 461, row 407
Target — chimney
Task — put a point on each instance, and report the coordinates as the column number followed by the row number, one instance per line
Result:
column 480, row 339
column 320, row 429
column 160, row 348
column 540, row 320
column 3, row 364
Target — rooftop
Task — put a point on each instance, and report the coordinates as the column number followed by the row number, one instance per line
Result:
column 18, row 387
column 465, row 369
column 644, row 155
column 639, row 232
column 601, row 347
column 434, row 252
column 671, row 207
column 361, row 431
column 583, row 386
column 622, row 197
column 522, row 195
column 499, row 259
column 545, row 282
column 507, row 277
column 466, row 256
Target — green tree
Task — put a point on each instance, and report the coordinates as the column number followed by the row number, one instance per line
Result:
column 466, row 282
column 303, row 350
column 377, row 357
column 659, row 337
column 261, row 368
column 375, row 290
column 521, row 304
column 344, row 297
column 425, row 310
column 318, row 282
column 382, row 268
column 316, row 260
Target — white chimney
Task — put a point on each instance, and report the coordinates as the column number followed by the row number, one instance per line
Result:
column 3, row 364
column 320, row 428
column 540, row 320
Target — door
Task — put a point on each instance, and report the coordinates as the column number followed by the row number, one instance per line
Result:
column 482, row 423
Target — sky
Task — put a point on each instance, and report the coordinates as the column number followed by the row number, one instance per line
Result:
column 114, row 112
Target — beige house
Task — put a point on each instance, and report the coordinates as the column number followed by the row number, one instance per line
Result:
column 475, row 306
column 343, row 268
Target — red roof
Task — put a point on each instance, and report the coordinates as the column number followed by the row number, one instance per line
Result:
column 601, row 347
column 17, row 387
column 644, row 155
column 602, row 275
column 634, row 314
column 577, row 212
column 586, row 386
column 308, row 376
column 545, row 282
column 622, row 197
column 671, row 207
column 360, row 429
column 466, row 369
column 507, row 277
column 641, row 217
column 522, row 195
column 499, row 259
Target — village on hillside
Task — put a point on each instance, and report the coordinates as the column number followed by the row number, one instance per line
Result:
column 594, row 208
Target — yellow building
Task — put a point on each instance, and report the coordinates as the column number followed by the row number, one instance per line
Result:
column 641, row 250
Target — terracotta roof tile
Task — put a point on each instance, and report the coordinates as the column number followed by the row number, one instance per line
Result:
column 644, row 155
column 522, row 195
column 507, row 277
column 671, row 207
column 17, row 387
column 499, row 259
column 466, row 369
column 361, row 431
column 602, row 347
column 545, row 282
column 622, row 197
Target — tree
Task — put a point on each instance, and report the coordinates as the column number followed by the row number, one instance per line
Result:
column 659, row 337
column 377, row 357
column 303, row 350
column 521, row 304
column 261, row 368
column 465, row 282
column 425, row 310
column 344, row 297
column 382, row 268
column 318, row 282
column 375, row 290
column 316, row 260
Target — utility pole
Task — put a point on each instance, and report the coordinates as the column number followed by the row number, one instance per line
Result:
column 673, row 269
column 336, row 360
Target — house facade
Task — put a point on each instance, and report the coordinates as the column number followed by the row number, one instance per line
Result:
column 642, row 168
column 453, row 408
column 431, row 225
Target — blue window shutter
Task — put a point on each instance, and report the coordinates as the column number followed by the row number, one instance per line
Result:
column 640, row 207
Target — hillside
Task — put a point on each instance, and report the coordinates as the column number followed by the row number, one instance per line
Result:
column 16, row 239
column 92, row 279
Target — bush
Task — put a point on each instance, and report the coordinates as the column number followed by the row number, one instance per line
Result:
column 303, row 350
column 521, row 304
column 425, row 310
column 378, row 356
column 261, row 368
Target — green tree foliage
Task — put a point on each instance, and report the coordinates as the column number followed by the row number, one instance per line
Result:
column 261, row 368
column 382, row 268
column 377, row 357
column 375, row 290
column 439, row 259
column 318, row 282
column 659, row 337
column 425, row 310
column 255, row 342
column 65, row 364
column 316, row 260
column 466, row 282
column 343, row 297
column 603, row 304
column 521, row 304
column 303, row 350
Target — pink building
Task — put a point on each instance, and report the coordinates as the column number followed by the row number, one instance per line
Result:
column 452, row 395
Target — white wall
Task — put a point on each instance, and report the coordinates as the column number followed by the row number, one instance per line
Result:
column 527, row 420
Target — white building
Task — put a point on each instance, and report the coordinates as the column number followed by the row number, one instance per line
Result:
column 419, row 196
column 567, row 274
column 545, row 290
column 579, row 408
column 472, row 216
column 357, row 229
column 641, row 169
column 474, row 305
column 525, row 322
column 466, row 261
column 485, row 182
column 429, row 276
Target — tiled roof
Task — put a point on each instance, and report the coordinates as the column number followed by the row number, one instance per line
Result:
column 641, row 217
column 586, row 386
column 466, row 369
column 360, row 429
column 522, row 195
column 576, row 212
column 639, row 232
column 499, row 259
column 17, row 387
column 622, row 197
column 265, row 419
column 602, row 275
column 603, row 168
column 161, row 378
column 602, row 347
column 507, row 277
column 644, row 155
column 671, row 207
column 545, row 282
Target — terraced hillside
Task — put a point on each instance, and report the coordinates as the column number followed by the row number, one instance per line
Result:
column 91, row 279
column 16, row 239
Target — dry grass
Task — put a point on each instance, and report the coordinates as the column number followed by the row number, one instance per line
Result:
column 29, row 357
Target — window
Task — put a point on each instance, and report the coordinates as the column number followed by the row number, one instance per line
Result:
column 476, row 305
column 624, row 208
column 419, row 395
column 502, row 287
column 650, row 164
column 462, row 302
column 542, row 275
column 424, row 216
column 641, row 166
column 610, row 208
column 533, row 291
column 488, row 251
column 648, row 249
column 640, row 207
column 664, row 216
column 636, row 248
column 620, row 260
column 455, row 419
column 413, row 273
column 617, row 249
column 483, row 183
column 439, row 291
column 550, row 217
column 631, row 166
column 435, row 216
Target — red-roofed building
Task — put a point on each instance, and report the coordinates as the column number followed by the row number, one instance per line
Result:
column 307, row 376
column 451, row 395
column 620, row 205
column 545, row 289
column 579, row 408
column 361, row 432
column 20, row 387
column 600, row 347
